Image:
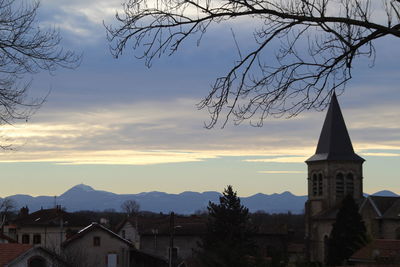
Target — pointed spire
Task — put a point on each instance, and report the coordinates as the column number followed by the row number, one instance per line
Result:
column 334, row 142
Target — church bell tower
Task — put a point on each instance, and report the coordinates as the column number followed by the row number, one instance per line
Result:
column 334, row 171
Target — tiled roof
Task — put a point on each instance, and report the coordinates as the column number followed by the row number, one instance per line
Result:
column 10, row 251
column 379, row 248
column 47, row 217
column 334, row 142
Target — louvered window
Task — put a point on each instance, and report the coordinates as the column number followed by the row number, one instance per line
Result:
column 339, row 185
column 314, row 185
column 349, row 184
column 320, row 187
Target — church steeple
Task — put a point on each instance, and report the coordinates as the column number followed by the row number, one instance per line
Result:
column 334, row 142
column 334, row 171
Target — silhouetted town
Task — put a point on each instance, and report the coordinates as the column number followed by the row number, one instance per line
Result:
column 56, row 237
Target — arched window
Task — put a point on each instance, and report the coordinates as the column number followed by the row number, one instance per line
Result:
column 320, row 187
column 314, row 184
column 36, row 261
column 350, row 184
column 339, row 185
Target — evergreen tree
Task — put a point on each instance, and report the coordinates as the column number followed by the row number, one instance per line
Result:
column 348, row 233
column 227, row 242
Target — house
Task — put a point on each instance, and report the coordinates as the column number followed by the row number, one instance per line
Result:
column 153, row 235
column 47, row 228
column 98, row 246
column 24, row 255
column 378, row 252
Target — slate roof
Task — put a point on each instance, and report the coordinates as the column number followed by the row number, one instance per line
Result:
column 386, row 207
column 379, row 248
column 10, row 251
column 334, row 141
column 184, row 225
column 187, row 226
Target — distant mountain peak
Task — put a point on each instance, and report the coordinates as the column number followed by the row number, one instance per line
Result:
column 83, row 187
column 385, row 193
column 78, row 189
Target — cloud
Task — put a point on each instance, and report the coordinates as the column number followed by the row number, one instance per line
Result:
column 281, row 172
column 381, row 154
column 156, row 131
column 280, row 160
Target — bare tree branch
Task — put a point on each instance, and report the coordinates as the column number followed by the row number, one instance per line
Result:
column 319, row 40
column 25, row 49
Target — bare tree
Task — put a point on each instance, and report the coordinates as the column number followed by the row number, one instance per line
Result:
column 25, row 49
column 317, row 42
column 7, row 205
column 130, row 207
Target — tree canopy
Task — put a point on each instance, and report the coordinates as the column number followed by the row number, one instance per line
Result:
column 228, row 238
column 318, row 41
column 348, row 233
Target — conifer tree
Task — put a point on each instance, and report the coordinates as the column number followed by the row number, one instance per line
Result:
column 348, row 233
column 227, row 242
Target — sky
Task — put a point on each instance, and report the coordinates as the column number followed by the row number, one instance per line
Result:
column 116, row 125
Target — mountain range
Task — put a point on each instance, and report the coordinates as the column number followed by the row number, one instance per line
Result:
column 84, row 197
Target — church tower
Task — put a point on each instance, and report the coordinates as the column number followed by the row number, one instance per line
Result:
column 334, row 171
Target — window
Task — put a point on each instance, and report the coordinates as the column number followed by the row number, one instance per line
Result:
column 25, row 239
column 320, row 188
column 37, row 239
column 12, row 232
column 349, row 184
column 317, row 185
column 339, row 185
column 314, row 184
column 96, row 241
column 123, row 233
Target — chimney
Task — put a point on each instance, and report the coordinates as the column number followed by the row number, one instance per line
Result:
column 24, row 211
